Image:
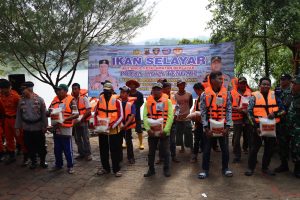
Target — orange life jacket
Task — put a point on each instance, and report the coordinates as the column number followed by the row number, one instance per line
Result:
column 81, row 107
column 127, row 115
column 261, row 109
column 66, row 113
column 213, row 111
column 157, row 114
column 109, row 110
column 236, row 99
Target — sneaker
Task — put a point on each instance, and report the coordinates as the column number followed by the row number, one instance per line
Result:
column 249, row 172
column 149, row 173
column 268, row 172
column 79, row 157
column 71, row 170
column 88, row 158
column 101, row 172
column 228, row 173
column 118, row 174
column 203, row 175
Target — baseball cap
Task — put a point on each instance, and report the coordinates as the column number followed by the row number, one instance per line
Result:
column 108, row 86
column 242, row 79
column 27, row 84
column 213, row 58
column 157, row 85
column 62, row 87
column 124, row 88
column 180, row 81
column 285, row 77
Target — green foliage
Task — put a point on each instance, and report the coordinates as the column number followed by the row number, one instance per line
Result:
column 47, row 36
column 194, row 41
column 265, row 33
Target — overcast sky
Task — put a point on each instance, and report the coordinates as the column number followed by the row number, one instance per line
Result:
column 176, row 19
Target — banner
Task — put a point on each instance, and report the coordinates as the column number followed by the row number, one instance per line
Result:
column 147, row 64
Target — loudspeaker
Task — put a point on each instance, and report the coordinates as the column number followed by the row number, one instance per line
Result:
column 16, row 81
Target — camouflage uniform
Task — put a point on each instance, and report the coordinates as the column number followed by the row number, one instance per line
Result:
column 283, row 137
column 293, row 120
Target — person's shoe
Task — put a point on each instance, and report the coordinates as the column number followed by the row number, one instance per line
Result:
column 44, row 165
column 175, row 160
column 167, row 173
column 118, row 174
column 236, row 160
column 71, row 170
column 159, row 161
column 79, row 157
column 101, row 172
column 131, row 161
column 33, row 166
column 193, row 159
column 268, row 172
column 203, row 175
column 282, row 168
column 149, row 173
column 227, row 173
column 88, row 158
column 249, row 172
column 55, row 168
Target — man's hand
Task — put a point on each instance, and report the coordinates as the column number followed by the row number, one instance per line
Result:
column 271, row 116
column 208, row 132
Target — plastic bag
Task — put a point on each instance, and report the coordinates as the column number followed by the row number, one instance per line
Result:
column 156, row 126
column 57, row 111
column 102, row 125
column 195, row 116
column 244, row 102
column 267, row 127
column 217, row 127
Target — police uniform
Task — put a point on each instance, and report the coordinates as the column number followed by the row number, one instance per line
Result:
column 293, row 119
column 31, row 117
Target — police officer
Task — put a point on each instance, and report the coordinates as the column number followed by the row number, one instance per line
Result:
column 293, row 119
column 285, row 94
column 31, row 117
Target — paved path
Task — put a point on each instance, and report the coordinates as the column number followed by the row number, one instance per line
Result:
column 17, row 183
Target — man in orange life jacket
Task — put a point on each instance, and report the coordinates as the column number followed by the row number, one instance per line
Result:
column 158, row 107
column 62, row 130
column 263, row 103
column 198, row 132
column 133, row 85
column 128, row 122
column 32, row 119
column 81, row 132
column 110, row 107
column 215, row 104
column 239, row 116
column 10, row 100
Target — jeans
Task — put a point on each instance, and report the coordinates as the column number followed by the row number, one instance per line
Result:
column 152, row 142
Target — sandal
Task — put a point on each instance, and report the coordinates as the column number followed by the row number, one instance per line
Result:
column 228, row 173
column 203, row 175
column 101, row 172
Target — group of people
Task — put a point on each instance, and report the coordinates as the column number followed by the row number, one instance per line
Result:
column 24, row 121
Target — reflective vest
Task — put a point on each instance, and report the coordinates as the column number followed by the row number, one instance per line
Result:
column 157, row 114
column 236, row 99
column 261, row 109
column 127, row 115
column 109, row 110
column 81, row 106
column 66, row 102
column 213, row 111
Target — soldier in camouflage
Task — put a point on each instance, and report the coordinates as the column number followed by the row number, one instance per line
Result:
column 294, row 125
column 283, row 138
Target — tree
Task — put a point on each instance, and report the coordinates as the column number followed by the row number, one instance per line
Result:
column 266, row 25
column 47, row 36
column 194, row 41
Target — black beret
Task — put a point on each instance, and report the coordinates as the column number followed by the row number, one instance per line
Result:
column 103, row 62
column 28, row 84
column 4, row 83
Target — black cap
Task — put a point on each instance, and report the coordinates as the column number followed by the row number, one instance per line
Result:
column 4, row 83
column 103, row 62
column 285, row 77
column 27, row 84
column 213, row 58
